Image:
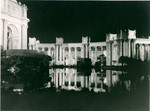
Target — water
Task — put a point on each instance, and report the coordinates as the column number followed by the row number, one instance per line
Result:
column 70, row 89
column 72, row 79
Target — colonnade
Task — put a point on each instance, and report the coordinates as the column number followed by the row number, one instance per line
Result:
column 143, row 51
column 69, row 79
column 129, row 48
column 61, row 56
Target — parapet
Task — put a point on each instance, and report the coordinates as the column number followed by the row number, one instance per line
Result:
column 86, row 40
column 111, row 37
column 59, row 40
column 131, row 34
column 32, row 41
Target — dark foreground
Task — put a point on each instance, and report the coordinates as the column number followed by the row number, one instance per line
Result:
column 49, row 100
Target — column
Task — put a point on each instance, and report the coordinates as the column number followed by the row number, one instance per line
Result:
column 4, row 34
column 127, row 48
column 141, row 51
column 95, row 54
column 75, row 55
column 86, row 81
column 134, row 49
column 70, row 55
column 82, row 81
column 69, row 77
column 60, row 78
column 56, row 55
column 129, row 42
column 63, row 56
column 49, row 51
column 56, row 82
column 136, row 54
column 42, row 49
column 131, row 49
column 110, row 54
column 60, row 55
column 89, row 52
column 102, row 50
column 75, row 80
column 138, row 51
column 82, row 52
column 95, row 80
column 148, row 50
column 86, row 51
column 89, row 81
column 144, row 56
column 23, row 37
column 124, row 46
column 54, row 75
column 120, row 48
column 63, row 78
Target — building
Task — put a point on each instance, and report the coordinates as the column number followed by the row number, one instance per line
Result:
column 69, row 53
column 14, row 24
column 125, row 43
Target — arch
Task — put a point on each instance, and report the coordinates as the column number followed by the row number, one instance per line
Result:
column 72, row 49
column 12, row 37
column 40, row 49
column 92, row 48
column 72, row 83
column 13, row 29
column 66, row 49
column 52, row 49
column 104, row 48
column 78, row 48
column 66, row 83
column 46, row 49
column 98, row 48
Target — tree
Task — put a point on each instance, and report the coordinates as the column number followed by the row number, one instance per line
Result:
column 33, row 69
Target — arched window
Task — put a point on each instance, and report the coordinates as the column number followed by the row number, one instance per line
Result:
column 9, row 38
column 45, row 49
column 72, row 49
column 67, row 49
column 92, row 48
column 104, row 48
column 40, row 49
column 52, row 49
column 98, row 48
column 78, row 49
column 12, row 37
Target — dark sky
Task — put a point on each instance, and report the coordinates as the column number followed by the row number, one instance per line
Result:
column 72, row 20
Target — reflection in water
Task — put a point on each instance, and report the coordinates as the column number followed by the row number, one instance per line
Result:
column 70, row 79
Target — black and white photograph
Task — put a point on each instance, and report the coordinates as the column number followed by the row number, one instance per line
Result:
column 74, row 55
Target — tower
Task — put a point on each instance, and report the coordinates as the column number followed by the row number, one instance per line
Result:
column 14, row 24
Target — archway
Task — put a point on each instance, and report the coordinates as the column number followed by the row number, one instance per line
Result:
column 12, row 37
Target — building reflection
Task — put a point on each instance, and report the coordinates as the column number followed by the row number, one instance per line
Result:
column 71, row 79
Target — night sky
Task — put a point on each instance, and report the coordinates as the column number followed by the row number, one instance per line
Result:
column 72, row 20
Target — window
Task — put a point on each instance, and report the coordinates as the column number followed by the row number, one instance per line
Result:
column 104, row 48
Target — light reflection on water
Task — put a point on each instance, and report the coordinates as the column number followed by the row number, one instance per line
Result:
column 71, row 79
